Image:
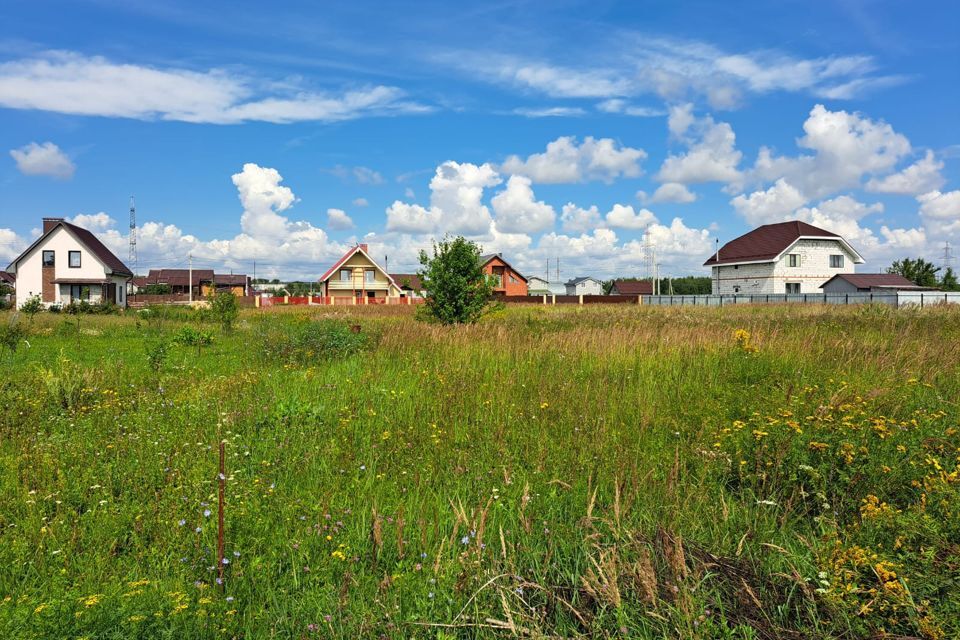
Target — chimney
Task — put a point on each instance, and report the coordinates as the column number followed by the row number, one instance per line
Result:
column 50, row 223
column 365, row 248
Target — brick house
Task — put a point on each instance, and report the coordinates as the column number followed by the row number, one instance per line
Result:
column 509, row 281
column 786, row 257
column 68, row 264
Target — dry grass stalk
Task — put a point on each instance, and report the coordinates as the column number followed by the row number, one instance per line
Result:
column 602, row 580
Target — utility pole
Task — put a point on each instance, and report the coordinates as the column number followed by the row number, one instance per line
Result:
column 190, row 276
column 132, row 253
column 716, row 265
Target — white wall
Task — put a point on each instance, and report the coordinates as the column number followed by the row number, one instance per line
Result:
column 772, row 277
column 585, row 288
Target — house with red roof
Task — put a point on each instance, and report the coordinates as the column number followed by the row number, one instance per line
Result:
column 68, row 264
column 632, row 288
column 786, row 257
column 357, row 275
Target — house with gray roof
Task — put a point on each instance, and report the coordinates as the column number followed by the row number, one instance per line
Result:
column 584, row 286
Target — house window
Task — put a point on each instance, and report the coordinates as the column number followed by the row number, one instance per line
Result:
column 48, row 258
column 79, row 292
column 793, row 260
column 369, row 275
column 346, row 275
column 793, row 287
column 513, row 279
column 836, row 262
column 73, row 259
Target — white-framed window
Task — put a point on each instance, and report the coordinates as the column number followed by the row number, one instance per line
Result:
column 369, row 276
column 836, row 262
column 793, row 287
column 793, row 260
column 346, row 275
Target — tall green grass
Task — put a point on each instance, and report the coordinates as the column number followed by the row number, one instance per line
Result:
column 602, row 472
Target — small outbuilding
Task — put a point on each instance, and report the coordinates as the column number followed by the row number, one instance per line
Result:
column 632, row 288
column 870, row 283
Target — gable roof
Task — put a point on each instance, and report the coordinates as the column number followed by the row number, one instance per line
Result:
column 768, row 242
column 86, row 238
column 576, row 281
column 633, row 287
column 361, row 249
column 881, row 280
column 484, row 259
column 7, row 278
column 409, row 281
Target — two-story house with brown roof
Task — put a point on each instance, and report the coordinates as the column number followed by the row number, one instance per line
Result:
column 357, row 275
column 786, row 257
column 507, row 280
column 68, row 264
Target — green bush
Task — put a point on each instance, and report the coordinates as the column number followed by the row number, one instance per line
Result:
column 225, row 309
column 32, row 307
column 309, row 342
column 190, row 337
column 12, row 333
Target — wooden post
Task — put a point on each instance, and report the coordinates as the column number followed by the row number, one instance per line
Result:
column 222, row 482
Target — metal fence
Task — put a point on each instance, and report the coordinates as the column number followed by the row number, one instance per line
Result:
column 892, row 298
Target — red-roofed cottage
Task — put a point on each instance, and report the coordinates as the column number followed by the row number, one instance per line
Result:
column 786, row 257
column 357, row 275
column 67, row 263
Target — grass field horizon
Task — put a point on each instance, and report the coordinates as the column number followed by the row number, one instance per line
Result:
column 598, row 471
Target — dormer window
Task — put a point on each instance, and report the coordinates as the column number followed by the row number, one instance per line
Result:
column 73, row 259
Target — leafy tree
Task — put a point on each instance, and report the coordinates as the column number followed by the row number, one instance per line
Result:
column 225, row 309
column 949, row 280
column 918, row 271
column 457, row 289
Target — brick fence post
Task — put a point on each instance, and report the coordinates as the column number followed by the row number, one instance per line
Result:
column 581, row 298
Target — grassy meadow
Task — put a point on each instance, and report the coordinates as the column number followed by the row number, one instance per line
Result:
column 621, row 472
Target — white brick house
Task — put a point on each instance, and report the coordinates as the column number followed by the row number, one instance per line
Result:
column 67, row 263
column 786, row 257
column 584, row 286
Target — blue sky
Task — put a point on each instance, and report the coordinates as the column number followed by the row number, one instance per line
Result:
column 545, row 130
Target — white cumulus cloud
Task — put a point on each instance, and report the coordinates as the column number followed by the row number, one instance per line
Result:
column 624, row 217
column 711, row 154
column 338, row 220
column 566, row 161
column 923, row 176
column 517, row 210
column 44, row 159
